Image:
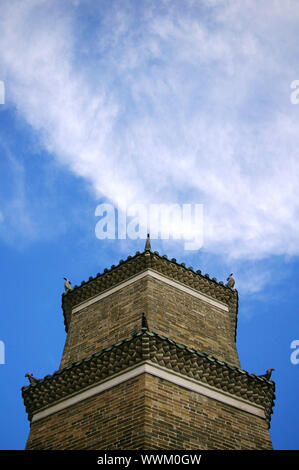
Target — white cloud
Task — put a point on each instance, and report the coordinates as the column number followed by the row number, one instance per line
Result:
column 167, row 102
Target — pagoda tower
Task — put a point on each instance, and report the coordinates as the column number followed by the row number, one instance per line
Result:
column 150, row 362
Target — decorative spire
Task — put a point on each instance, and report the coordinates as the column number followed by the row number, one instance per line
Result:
column 148, row 243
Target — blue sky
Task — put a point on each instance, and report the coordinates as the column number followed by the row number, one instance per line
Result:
column 148, row 102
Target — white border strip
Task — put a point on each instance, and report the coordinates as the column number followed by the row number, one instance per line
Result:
column 189, row 290
column 162, row 373
column 158, row 276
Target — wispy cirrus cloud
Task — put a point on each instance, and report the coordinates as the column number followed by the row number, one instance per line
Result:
column 152, row 102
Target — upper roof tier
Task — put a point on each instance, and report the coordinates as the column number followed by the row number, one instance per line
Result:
column 143, row 261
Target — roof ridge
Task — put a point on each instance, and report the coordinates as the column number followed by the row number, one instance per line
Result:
column 148, row 251
column 207, row 356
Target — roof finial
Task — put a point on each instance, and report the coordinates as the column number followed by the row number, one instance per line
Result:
column 148, row 243
column 144, row 323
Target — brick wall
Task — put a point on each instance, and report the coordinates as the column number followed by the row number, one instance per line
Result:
column 149, row 413
column 106, row 322
column 169, row 311
column 191, row 321
column 176, row 418
column 113, row 419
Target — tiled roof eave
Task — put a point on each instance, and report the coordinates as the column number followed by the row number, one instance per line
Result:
column 158, row 349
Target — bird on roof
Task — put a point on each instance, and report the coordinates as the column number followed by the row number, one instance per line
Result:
column 148, row 243
column 231, row 281
column 32, row 379
column 67, row 284
column 268, row 374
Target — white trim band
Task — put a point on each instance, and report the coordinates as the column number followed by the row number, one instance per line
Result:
column 158, row 276
column 163, row 373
